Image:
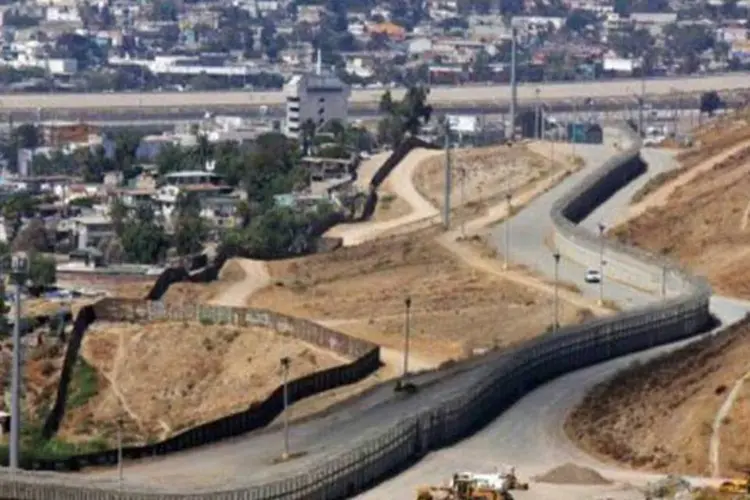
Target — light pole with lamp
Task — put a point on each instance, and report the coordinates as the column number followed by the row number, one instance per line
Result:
column 508, row 197
column 537, row 122
column 407, row 333
column 556, row 325
column 119, row 454
column 285, row 362
column 19, row 272
column 601, row 263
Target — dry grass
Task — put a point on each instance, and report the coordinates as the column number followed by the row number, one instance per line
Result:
column 361, row 291
column 658, row 415
column 168, row 376
column 704, row 224
column 46, row 307
column 481, row 174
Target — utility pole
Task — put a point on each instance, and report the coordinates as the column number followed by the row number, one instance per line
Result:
column 664, row 282
column 506, row 264
column 513, row 84
column 19, row 270
column 463, row 200
column 537, row 122
column 285, row 362
column 601, row 263
column 556, row 324
column 448, row 180
column 642, row 98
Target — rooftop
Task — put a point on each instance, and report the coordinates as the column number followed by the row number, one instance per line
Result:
column 191, row 173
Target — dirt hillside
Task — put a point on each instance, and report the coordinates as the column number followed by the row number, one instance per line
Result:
column 704, row 224
column 361, row 290
column 168, row 376
column 659, row 415
column 481, row 174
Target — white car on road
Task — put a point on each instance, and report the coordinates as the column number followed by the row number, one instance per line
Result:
column 592, row 276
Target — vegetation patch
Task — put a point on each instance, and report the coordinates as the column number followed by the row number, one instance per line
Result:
column 84, row 384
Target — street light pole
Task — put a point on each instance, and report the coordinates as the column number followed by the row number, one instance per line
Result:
column 285, row 361
column 601, row 263
column 19, row 268
column 556, row 325
column 509, row 213
column 407, row 332
column 119, row 454
column 537, row 123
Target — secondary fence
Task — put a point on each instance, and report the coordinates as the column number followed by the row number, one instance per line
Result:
column 470, row 401
column 365, row 355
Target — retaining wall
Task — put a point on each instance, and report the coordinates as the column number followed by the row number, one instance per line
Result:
column 470, row 401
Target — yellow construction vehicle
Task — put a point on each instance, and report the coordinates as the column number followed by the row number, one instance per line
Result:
column 735, row 486
column 465, row 486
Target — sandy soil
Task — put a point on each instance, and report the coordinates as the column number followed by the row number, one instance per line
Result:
column 700, row 218
column 481, row 174
column 361, row 291
column 166, row 377
column 659, row 415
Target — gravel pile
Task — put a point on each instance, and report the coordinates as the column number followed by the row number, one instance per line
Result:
column 572, row 474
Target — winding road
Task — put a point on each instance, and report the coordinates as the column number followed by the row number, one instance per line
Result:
column 529, row 435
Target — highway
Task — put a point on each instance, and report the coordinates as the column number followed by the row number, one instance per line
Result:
column 529, row 435
column 468, row 95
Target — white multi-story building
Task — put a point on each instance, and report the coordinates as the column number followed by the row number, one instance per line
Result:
column 317, row 97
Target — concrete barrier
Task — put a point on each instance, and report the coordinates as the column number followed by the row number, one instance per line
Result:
column 471, row 398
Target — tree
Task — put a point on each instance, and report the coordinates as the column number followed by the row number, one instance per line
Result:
column 189, row 228
column 164, row 10
column 406, row 117
column 271, row 169
column 42, row 270
column 622, row 7
column 118, row 213
column 579, row 20
column 143, row 240
column 711, row 102
column 32, row 238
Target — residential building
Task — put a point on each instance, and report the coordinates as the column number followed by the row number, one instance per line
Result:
column 317, row 97
column 90, row 230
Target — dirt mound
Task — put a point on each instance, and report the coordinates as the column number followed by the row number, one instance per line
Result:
column 572, row 474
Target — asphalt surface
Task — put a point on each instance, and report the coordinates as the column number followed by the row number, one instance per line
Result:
column 249, row 459
column 529, row 435
column 438, row 95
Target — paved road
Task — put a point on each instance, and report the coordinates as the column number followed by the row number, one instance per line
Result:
column 438, row 95
column 529, row 435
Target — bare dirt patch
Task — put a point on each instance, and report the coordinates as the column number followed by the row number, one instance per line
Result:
column 572, row 474
column 165, row 377
column 361, row 290
column 390, row 206
column 703, row 225
column 481, row 174
column 659, row 415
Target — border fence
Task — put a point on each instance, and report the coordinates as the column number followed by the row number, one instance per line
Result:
column 502, row 380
